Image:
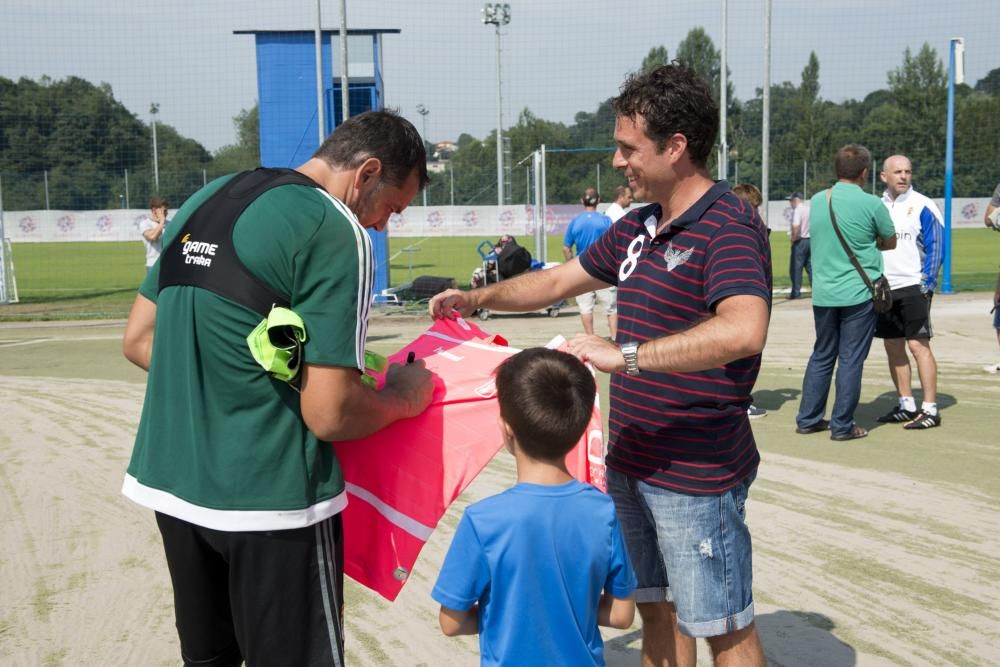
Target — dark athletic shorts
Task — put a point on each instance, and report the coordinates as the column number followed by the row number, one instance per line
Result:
column 269, row 597
column 910, row 316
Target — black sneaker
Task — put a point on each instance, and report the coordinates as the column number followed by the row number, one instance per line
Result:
column 923, row 420
column 897, row 416
column 753, row 412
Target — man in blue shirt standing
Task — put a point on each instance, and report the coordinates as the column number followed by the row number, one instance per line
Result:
column 582, row 231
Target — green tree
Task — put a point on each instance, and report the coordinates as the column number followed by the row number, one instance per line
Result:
column 245, row 153
column 919, row 89
column 73, row 130
column 810, row 132
column 657, row 56
column 977, row 144
column 698, row 52
column 990, row 83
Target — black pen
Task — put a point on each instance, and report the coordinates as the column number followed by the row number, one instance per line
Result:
column 410, row 357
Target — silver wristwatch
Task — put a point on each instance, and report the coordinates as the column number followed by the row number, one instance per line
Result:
column 630, row 351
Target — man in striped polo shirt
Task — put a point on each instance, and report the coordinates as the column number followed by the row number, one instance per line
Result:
column 237, row 464
column 693, row 272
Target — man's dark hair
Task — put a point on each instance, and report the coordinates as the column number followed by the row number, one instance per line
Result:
column 672, row 99
column 157, row 202
column 380, row 134
column 546, row 397
column 851, row 161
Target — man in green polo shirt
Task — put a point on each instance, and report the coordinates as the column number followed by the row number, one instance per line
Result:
column 236, row 463
column 842, row 303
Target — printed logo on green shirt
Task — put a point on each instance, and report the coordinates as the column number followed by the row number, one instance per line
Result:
column 198, row 252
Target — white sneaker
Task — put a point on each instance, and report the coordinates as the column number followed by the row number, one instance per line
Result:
column 992, row 368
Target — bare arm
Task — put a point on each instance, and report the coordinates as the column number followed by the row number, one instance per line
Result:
column 996, row 293
column 154, row 233
column 454, row 623
column 137, row 343
column 337, row 405
column 737, row 330
column 528, row 291
column 885, row 242
column 567, row 253
column 616, row 612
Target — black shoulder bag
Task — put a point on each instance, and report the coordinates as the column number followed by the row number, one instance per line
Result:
column 881, row 292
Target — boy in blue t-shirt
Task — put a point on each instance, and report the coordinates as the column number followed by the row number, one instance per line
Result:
column 535, row 569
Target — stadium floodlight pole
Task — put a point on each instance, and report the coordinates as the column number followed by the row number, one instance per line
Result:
column 318, row 38
column 3, row 254
column 345, row 79
column 497, row 14
column 423, row 111
column 154, row 109
column 765, row 148
column 956, row 74
column 723, row 102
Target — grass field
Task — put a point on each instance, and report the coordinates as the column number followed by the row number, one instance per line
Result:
column 94, row 280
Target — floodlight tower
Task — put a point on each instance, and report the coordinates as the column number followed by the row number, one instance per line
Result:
column 423, row 111
column 498, row 14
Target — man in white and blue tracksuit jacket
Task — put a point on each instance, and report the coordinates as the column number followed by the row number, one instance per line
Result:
column 911, row 269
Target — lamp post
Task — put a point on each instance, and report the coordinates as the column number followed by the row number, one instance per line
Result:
column 154, row 109
column 497, row 14
column 956, row 75
column 423, row 111
column 723, row 102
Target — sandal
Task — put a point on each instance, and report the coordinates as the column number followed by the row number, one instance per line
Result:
column 855, row 433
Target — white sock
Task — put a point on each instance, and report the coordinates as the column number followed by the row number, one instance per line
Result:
column 907, row 403
column 929, row 408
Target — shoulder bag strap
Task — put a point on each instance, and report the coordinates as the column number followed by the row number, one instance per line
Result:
column 847, row 249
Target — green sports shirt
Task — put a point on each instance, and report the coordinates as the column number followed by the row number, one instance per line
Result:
column 861, row 217
column 220, row 443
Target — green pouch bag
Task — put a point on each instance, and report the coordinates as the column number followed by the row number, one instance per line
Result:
column 276, row 343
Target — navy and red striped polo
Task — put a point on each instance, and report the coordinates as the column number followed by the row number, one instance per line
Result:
column 687, row 432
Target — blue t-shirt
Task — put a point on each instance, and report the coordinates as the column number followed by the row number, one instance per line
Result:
column 584, row 229
column 536, row 558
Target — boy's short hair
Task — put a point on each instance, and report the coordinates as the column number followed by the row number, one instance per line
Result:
column 546, row 397
column 158, row 202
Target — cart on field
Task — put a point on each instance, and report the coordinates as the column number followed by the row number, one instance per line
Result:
column 504, row 260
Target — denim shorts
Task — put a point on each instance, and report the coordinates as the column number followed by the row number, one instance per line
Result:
column 693, row 551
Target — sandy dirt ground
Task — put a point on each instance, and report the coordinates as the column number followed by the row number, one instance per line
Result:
column 878, row 552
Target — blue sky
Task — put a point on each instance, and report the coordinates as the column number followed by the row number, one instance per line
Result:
column 558, row 57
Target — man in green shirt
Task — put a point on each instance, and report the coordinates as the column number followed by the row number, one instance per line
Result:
column 237, row 464
column 842, row 303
